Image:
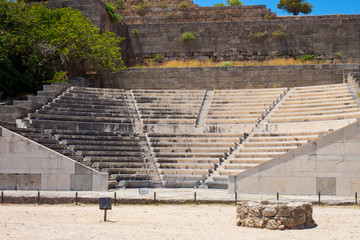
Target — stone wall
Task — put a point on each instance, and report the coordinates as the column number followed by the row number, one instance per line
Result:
column 249, row 40
column 329, row 165
column 26, row 165
column 225, row 77
column 197, row 14
column 275, row 215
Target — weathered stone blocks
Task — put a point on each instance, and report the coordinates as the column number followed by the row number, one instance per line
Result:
column 275, row 215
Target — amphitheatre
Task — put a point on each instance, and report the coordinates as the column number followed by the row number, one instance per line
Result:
column 254, row 130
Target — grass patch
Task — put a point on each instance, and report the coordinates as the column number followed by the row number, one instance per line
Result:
column 134, row 31
column 183, row 5
column 210, row 63
column 260, row 34
column 278, row 33
column 140, row 7
column 187, row 36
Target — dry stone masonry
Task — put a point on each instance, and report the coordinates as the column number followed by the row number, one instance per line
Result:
column 275, row 215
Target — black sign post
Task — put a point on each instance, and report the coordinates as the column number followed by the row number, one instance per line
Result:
column 105, row 204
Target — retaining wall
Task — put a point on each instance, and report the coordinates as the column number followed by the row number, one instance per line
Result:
column 242, row 40
column 225, row 77
column 26, row 165
column 329, row 165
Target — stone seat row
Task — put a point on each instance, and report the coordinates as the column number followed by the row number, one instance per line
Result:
column 257, row 149
column 184, row 160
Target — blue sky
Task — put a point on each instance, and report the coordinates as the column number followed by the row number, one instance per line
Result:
column 321, row 7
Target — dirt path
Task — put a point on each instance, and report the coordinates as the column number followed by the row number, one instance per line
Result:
column 161, row 222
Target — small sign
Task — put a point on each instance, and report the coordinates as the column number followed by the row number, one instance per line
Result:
column 105, row 203
column 143, row 191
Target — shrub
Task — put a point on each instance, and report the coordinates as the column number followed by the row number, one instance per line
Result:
column 260, row 34
column 115, row 17
column 183, row 5
column 140, row 7
column 58, row 77
column 119, row 5
column 187, row 36
column 169, row 14
column 337, row 54
column 307, row 57
column 158, row 57
column 226, row 64
column 234, row 3
column 219, row 4
column 134, row 31
column 267, row 17
column 278, row 33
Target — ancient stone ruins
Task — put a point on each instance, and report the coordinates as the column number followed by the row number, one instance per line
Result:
column 250, row 129
column 275, row 215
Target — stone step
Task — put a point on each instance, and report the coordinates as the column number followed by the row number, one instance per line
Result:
column 317, row 105
column 197, row 171
column 193, row 139
column 240, row 166
column 317, row 101
column 231, row 171
column 257, row 154
column 235, row 116
column 282, row 138
column 104, row 100
column 189, row 155
column 176, row 116
column 275, row 143
column 189, row 149
column 231, row 121
column 87, row 107
column 125, row 115
column 315, row 118
column 314, row 112
column 105, row 153
column 326, row 108
column 169, row 121
column 267, row 149
column 114, row 159
column 121, row 139
column 238, row 108
column 217, row 184
column 186, row 165
column 120, row 177
column 311, row 96
column 93, row 102
column 188, row 160
column 126, row 170
column 235, row 113
column 107, row 148
column 258, row 160
column 120, row 164
column 191, row 145
column 101, row 143
column 98, row 134
column 76, row 125
column 81, row 118
column 183, row 177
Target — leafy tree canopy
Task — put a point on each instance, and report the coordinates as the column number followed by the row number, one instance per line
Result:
column 36, row 41
column 295, row 6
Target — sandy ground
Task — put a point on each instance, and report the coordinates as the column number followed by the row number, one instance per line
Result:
column 161, row 222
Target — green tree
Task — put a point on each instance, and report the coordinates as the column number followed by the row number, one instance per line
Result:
column 295, row 6
column 35, row 42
